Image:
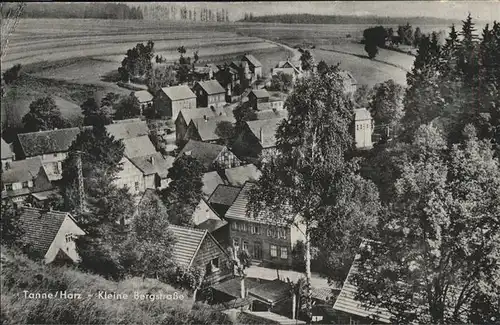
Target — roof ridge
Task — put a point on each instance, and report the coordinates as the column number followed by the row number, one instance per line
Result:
column 187, row 228
column 42, row 210
column 45, row 131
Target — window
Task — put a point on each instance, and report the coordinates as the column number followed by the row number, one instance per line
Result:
column 234, row 226
column 55, row 154
column 243, row 226
column 57, row 170
column 353, row 321
column 8, row 187
column 25, row 184
column 69, row 237
column 137, row 186
column 284, row 253
column 215, row 264
column 269, row 232
column 274, row 251
column 245, row 246
column 255, row 229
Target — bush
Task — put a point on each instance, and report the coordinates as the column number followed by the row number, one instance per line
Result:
column 12, row 74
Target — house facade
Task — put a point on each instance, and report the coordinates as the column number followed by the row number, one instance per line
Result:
column 257, row 138
column 131, row 177
column 170, row 100
column 288, row 68
column 20, row 178
column 7, row 154
column 254, row 65
column 209, row 93
column 211, row 156
column 145, row 99
column 269, row 242
column 363, row 128
column 50, row 146
column 186, row 115
column 258, row 96
column 198, row 248
column 50, row 234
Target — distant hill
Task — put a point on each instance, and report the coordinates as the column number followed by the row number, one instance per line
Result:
column 93, row 10
column 328, row 19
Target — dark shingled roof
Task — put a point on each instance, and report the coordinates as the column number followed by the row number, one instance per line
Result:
column 188, row 241
column 211, row 87
column 231, row 287
column 224, row 195
column 260, row 93
column 128, row 129
column 204, row 152
column 271, row 292
column 212, row 225
column 189, row 113
column 154, row 164
column 22, row 170
column 40, row 227
column 206, row 127
column 45, row 142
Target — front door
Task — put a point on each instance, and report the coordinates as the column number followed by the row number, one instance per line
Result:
column 257, row 251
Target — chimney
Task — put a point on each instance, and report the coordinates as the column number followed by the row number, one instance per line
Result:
column 152, row 160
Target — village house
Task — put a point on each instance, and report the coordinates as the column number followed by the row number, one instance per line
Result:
column 258, row 96
column 257, row 138
column 198, row 248
column 145, row 99
column 7, row 153
column 210, row 182
column 170, row 100
column 363, row 124
column 209, row 93
column 238, row 176
column 20, row 178
column 50, row 234
column 186, row 115
column 269, row 114
column 206, row 218
column 202, row 73
column 275, row 105
column 211, row 156
column 154, row 168
column 50, row 146
column 254, row 65
column 289, row 68
column 126, row 129
column 223, row 197
column 229, row 78
column 206, row 129
column 41, row 199
column 269, row 241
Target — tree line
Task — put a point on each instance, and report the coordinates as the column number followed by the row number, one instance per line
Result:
column 176, row 12
column 338, row 19
column 80, row 10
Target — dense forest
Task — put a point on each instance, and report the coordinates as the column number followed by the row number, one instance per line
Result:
column 79, row 10
column 327, row 19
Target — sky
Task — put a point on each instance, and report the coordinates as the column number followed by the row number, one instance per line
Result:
column 480, row 10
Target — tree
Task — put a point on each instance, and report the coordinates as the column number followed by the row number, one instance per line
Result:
column 417, row 37
column 226, row 131
column 137, row 61
column 10, row 227
column 362, row 95
column 322, row 67
column 159, row 77
column 183, row 194
column 405, row 34
column 148, row 248
column 93, row 114
column 188, row 278
column 281, row 81
column 307, row 61
column 437, row 257
column 298, row 185
column 386, row 105
column 240, row 260
column 374, row 38
column 43, row 115
column 242, row 113
column 128, row 107
column 371, row 49
column 12, row 74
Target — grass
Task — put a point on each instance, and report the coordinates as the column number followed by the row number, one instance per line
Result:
column 19, row 274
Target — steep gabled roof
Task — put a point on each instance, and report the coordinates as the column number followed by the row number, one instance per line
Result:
column 45, row 142
column 253, row 60
column 209, row 113
column 187, row 244
column 128, row 129
column 154, row 164
column 211, row 87
column 210, row 182
column 138, row 147
column 206, row 127
column 204, row 217
column 238, row 176
column 143, row 96
column 224, row 195
column 40, row 227
column 265, row 131
column 260, row 93
column 22, row 170
column 178, row 92
column 204, row 152
column 362, row 114
column 6, row 150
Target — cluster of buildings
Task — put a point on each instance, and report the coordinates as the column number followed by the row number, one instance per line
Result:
column 32, row 170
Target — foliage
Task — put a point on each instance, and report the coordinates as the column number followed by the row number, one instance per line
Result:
column 362, row 95
column 307, row 61
column 322, row 67
column 43, row 115
column 187, row 278
column 160, row 76
column 386, row 105
column 183, row 194
column 93, row 114
column 82, row 11
column 12, row 74
column 242, row 113
column 127, row 107
column 281, row 81
column 405, row 33
column 10, row 227
column 417, row 37
column 137, row 61
column 226, row 131
column 438, row 250
column 374, row 38
column 148, row 248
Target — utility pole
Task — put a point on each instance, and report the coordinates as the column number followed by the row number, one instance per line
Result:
column 81, row 190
